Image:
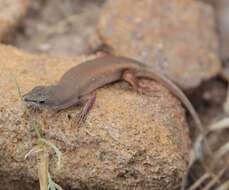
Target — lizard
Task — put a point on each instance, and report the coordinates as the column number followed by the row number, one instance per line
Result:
column 77, row 86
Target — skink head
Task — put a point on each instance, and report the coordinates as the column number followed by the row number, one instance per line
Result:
column 39, row 96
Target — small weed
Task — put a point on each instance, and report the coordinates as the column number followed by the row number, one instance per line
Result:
column 41, row 150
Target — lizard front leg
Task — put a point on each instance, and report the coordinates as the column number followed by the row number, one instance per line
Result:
column 87, row 102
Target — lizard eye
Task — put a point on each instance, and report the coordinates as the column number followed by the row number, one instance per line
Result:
column 41, row 102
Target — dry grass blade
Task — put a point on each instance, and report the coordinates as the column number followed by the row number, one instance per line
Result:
column 36, row 126
column 224, row 186
column 199, row 181
column 24, row 108
column 17, row 86
column 199, row 153
column 43, row 169
column 214, row 180
column 35, row 150
column 198, row 148
column 196, row 154
column 222, row 150
column 191, row 162
column 57, row 151
column 222, row 124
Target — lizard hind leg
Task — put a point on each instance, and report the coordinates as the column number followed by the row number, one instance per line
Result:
column 130, row 77
column 87, row 102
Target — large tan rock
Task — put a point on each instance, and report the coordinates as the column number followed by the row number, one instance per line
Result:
column 129, row 141
column 175, row 37
column 222, row 21
column 11, row 12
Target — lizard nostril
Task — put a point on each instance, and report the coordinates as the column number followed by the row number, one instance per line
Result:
column 24, row 98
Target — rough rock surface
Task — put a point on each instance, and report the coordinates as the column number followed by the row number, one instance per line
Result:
column 222, row 20
column 60, row 27
column 176, row 37
column 11, row 12
column 129, row 141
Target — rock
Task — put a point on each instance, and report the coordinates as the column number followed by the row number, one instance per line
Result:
column 225, row 71
column 128, row 141
column 222, row 20
column 226, row 103
column 176, row 37
column 59, row 27
column 11, row 13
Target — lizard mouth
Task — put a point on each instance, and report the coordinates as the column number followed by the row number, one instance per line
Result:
column 28, row 100
column 33, row 105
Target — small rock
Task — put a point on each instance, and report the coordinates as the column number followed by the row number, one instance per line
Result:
column 176, row 38
column 58, row 27
column 11, row 13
